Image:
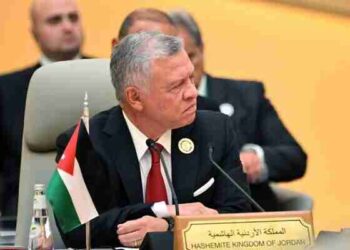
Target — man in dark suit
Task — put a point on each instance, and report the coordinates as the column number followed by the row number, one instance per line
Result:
column 152, row 75
column 57, row 29
column 269, row 153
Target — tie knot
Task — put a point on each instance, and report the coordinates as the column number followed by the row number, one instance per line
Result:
column 159, row 147
column 155, row 152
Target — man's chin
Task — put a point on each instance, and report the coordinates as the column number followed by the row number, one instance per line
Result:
column 71, row 48
column 69, row 53
column 192, row 118
column 186, row 120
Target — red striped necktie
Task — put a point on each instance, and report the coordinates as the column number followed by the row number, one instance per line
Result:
column 155, row 187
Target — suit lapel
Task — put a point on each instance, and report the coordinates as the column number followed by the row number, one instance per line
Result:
column 223, row 94
column 215, row 91
column 125, row 162
column 184, row 166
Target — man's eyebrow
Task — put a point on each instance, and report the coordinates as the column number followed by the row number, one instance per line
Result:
column 54, row 18
column 59, row 16
column 176, row 82
column 72, row 13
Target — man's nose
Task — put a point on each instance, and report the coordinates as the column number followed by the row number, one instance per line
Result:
column 191, row 91
column 67, row 24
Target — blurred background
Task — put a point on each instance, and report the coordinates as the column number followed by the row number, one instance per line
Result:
column 301, row 54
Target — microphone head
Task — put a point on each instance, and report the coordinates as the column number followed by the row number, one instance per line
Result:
column 150, row 143
column 210, row 148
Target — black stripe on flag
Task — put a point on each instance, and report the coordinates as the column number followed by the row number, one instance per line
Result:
column 95, row 174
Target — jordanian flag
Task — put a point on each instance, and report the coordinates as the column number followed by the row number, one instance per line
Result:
column 67, row 191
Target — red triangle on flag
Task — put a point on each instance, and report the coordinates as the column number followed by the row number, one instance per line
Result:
column 67, row 160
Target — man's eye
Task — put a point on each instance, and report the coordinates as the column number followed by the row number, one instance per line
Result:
column 176, row 88
column 54, row 20
column 74, row 17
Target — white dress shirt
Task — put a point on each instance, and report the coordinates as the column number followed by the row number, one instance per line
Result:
column 203, row 89
column 145, row 162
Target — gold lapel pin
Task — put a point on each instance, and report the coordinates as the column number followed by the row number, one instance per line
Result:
column 186, row 145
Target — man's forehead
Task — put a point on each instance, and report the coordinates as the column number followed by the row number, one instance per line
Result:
column 179, row 62
column 47, row 8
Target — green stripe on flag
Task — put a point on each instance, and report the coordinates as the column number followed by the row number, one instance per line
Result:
column 62, row 204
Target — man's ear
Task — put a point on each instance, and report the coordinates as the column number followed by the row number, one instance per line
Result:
column 115, row 41
column 133, row 97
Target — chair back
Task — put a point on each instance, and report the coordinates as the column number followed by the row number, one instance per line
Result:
column 54, row 104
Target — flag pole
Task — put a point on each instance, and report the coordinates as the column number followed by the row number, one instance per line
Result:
column 85, row 118
column 86, row 114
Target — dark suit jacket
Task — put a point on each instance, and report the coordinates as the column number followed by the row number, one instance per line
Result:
column 205, row 103
column 257, row 122
column 13, row 94
column 112, row 141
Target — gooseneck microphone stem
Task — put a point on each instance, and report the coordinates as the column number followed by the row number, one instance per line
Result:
column 233, row 181
column 152, row 144
column 176, row 202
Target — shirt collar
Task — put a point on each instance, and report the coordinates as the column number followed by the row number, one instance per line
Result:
column 44, row 60
column 202, row 90
column 139, row 139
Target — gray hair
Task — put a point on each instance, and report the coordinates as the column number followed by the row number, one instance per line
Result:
column 131, row 58
column 183, row 19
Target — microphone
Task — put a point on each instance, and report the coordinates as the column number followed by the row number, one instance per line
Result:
column 152, row 144
column 211, row 150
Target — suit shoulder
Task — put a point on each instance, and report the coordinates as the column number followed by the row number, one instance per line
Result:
column 18, row 76
column 210, row 119
column 214, row 127
column 240, row 84
column 101, row 118
column 97, row 120
column 22, row 71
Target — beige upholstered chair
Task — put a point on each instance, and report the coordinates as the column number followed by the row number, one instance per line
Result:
column 54, row 104
column 290, row 200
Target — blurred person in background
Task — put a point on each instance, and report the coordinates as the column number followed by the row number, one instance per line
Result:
column 269, row 153
column 57, row 30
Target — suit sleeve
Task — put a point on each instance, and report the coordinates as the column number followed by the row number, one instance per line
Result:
column 284, row 157
column 228, row 198
column 103, row 228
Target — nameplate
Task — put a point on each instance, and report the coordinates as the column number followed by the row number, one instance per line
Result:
column 289, row 233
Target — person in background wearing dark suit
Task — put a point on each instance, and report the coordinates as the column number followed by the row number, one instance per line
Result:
column 56, row 28
column 269, row 153
column 153, row 79
column 149, row 19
